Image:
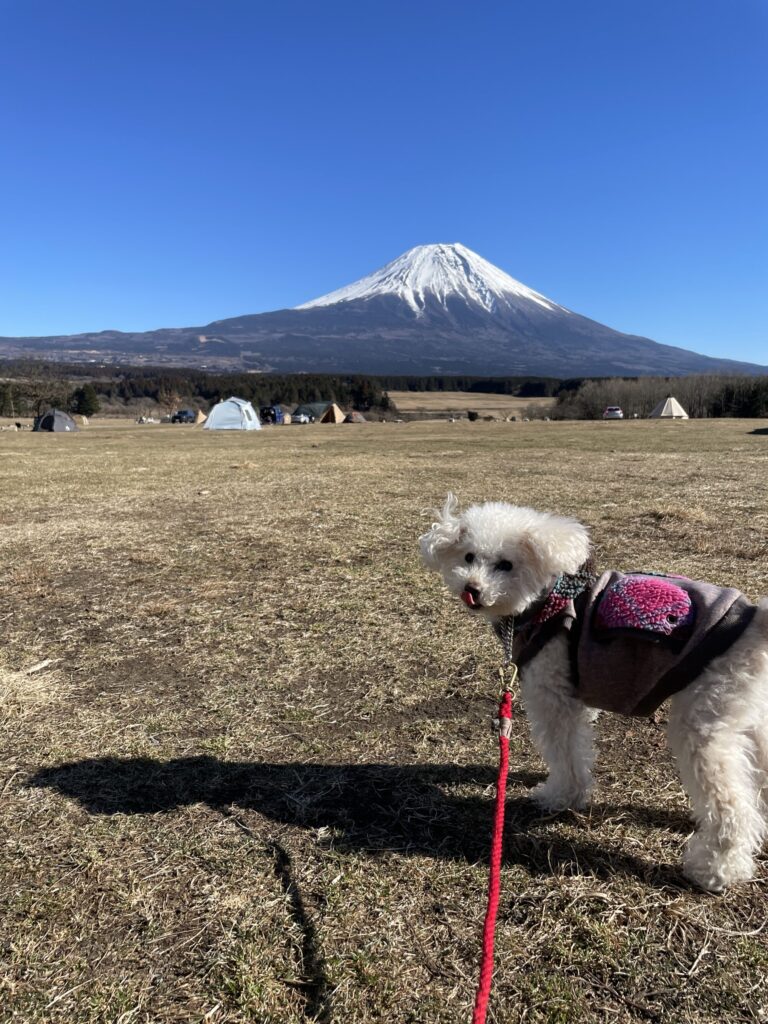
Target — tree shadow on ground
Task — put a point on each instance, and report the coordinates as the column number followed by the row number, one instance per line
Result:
column 759, row 430
column 412, row 809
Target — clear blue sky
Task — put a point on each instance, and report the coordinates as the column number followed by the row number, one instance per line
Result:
column 175, row 162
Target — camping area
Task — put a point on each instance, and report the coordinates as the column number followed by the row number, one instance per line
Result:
column 247, row 756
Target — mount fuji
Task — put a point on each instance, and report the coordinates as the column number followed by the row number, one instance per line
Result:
column 437, row 309
column 432, row 278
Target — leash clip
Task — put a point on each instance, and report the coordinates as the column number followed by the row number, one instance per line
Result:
column 503, row 723
column 504, row 682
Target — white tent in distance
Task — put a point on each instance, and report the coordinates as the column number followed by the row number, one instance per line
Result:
column 668, row 409
column 233, row 414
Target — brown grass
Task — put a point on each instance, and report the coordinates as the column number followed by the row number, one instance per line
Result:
column 256, row 784
column 461, row 401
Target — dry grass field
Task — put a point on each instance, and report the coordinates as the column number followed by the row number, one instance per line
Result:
column 246, row 767
column 461, row 401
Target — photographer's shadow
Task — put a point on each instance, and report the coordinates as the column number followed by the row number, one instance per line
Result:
column 414, row 809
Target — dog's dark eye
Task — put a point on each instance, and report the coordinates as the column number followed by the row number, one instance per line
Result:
column 469, row 558
column 504, row 566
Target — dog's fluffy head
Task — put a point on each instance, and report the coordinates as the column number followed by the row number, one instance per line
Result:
column 501, row 558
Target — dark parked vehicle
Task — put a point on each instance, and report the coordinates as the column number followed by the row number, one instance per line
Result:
column 184, row 416
column 271, row 414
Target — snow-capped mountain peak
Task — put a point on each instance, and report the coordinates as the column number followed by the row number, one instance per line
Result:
column 437, row 309
column 439, row 273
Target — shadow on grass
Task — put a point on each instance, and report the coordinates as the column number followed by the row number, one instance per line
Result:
column 414, row 809
column 759, row 430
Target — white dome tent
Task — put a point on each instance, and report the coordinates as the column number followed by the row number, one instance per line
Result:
column 233, row 414
column 668, row 409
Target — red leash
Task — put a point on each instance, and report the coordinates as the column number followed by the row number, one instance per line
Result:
column 494, row 883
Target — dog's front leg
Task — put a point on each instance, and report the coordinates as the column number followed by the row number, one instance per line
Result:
column 561, row 729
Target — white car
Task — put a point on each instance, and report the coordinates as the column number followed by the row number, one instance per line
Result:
column 301, row 417
column 613, row 412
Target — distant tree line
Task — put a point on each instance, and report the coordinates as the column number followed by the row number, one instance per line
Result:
column 171, row 388
column 33, row 383
column 701, row 396
column 32, row 396
column 522, row 387
column 29, row 386
column 355, row 390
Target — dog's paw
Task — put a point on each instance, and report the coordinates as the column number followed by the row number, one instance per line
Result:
column 712, row 868
column 552, row 798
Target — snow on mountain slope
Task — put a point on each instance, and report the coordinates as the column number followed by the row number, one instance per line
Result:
column 440, row 272
column 437, row 309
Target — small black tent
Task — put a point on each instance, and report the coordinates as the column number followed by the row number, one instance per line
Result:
column 55, row 420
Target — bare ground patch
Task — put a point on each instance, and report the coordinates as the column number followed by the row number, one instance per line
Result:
column 267, row 794
column 462, row 401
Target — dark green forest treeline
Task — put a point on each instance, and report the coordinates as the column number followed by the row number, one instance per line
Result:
column 29, row 386
column 700, row 396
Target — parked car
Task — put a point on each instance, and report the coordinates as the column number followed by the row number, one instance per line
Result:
column 184, row 416
column 271, row 414
column 301, row 417
column 613, row 412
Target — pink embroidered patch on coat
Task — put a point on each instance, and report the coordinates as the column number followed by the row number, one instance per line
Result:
column 649, row 603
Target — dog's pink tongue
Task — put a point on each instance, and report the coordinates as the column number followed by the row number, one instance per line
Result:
column 467, row 598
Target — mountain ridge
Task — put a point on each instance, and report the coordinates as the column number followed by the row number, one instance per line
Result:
column 436, row 309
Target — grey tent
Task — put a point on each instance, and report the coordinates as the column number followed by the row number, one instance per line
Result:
column 56, row 421
column 668, row 409
column 234, row 414
column 312, row 410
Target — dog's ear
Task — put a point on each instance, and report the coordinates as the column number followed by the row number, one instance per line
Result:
column 558, row 544
column 442, row 534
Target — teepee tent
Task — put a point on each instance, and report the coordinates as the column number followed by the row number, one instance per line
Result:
column 200, row 418
column 234, row 414
column 669, row 409
column 332, row 414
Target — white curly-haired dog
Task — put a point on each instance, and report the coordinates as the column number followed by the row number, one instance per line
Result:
column 625, row 643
